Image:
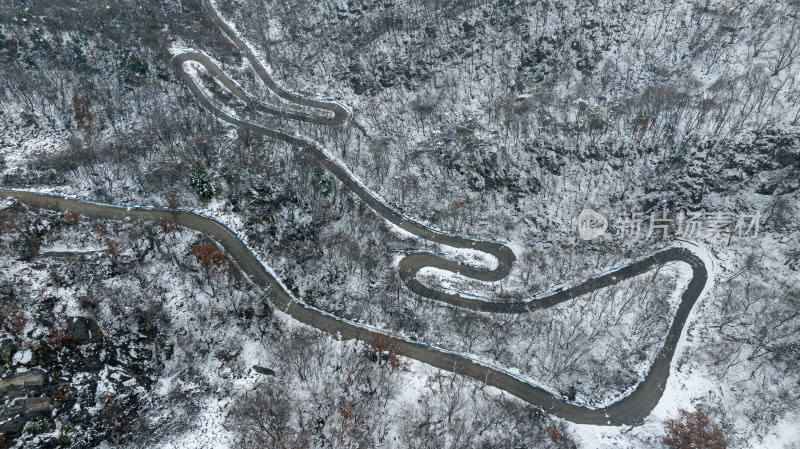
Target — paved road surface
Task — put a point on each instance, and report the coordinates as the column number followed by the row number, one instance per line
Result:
column 630, row 410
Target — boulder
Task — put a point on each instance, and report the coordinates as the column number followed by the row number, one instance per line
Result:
column 84, row 330
column 7, row 350
column 262, row 370
column 25, row 380
column 37, row 406
column 15, row 415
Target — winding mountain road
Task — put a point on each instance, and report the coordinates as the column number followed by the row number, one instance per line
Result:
column 339, row 115
column 631, row 409
column 411, row 262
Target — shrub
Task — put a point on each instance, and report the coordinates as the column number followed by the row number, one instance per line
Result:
column 114, row 248
column 11, row 321
column 693, row 431
column 115, row 417
column 58, row 337
column 63, row 395
column 382, row 350
column 72, row 218
column 100, row 229
column 7, row 226
column 199, row 182
column 209, row 255
column 82, row 110
column 56, row 278
column 554, row 433
column 218, row 315
column 167, row 226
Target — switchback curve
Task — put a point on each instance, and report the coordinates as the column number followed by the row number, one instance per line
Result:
column 339, row 114
column 411, row 262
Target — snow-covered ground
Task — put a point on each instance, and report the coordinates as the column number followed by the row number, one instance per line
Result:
column 499, row 122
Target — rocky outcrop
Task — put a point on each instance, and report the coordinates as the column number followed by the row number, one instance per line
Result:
column 22, row 395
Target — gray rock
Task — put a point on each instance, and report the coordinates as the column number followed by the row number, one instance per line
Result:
column 262, row 370
column 7, row 350
column 28, row 379
column 12, row 408
column 84, row 330
column 17, row 413
column 37, row 406
column 92, row 364
column 12, row 426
